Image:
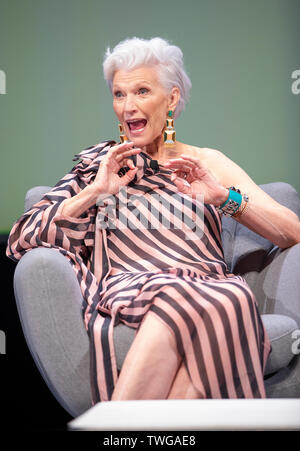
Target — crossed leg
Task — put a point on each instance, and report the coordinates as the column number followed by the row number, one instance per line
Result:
column 182, row 387
column 153, row 368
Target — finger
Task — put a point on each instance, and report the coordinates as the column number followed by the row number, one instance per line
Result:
column 179, row 175
column 182, row 174
column 128, row 177
column 122, row 152
column 127, row 153
column 184, row 165
column 119, row 148
column 196, row 161
column 179, row 160
column 200, row 172
column 182, row 184
column 130, row 164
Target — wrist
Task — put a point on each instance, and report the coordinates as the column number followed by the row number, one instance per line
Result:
column 94, row 193
column 76, row 205
column 233, row 202
column 223, row 197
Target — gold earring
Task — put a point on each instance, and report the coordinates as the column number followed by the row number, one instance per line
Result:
column 170, row 136
column 123, row 137
column 170, row 133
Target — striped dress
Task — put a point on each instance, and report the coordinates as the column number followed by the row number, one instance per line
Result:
column 152, row 248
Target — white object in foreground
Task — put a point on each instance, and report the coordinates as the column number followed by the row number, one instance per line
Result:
column 191, row 415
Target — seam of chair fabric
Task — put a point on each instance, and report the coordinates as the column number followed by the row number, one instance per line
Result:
column 281, row 336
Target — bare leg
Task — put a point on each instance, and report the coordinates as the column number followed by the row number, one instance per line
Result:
column 182, row 387
column 151, row 363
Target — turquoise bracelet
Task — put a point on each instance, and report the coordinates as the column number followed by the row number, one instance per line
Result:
column 232, row 203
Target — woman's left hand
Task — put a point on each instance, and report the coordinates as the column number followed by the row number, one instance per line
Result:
column 192, row 178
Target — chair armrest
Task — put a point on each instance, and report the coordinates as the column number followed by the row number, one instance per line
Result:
column 49, row 300
column 34, row 195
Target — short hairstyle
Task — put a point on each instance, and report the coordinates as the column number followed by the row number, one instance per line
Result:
column 134, row 52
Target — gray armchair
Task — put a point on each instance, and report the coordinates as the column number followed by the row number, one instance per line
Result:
column 48, row 297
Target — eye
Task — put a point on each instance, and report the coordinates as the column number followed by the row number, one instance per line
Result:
column 117, row 94
column 143, row 91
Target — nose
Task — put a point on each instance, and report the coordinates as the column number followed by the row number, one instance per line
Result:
column 129, row 105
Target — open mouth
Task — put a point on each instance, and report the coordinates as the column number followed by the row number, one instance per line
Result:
column 137, row 126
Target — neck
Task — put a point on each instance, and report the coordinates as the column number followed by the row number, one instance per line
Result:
column 159, row 152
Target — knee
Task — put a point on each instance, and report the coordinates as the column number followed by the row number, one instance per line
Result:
column 156, row 332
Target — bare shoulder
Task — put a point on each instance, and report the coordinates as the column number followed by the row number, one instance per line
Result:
column 223, row 168
column 206, row 154
column 226, row 171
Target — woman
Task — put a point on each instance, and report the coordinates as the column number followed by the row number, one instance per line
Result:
column 198, row 330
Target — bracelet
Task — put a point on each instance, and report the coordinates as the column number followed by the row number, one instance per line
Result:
column 239, row 213
column 232, row 203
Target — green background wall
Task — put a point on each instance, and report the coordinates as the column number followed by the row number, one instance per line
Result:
column 240, row 55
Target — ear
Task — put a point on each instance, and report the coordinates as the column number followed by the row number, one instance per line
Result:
column 174, row 97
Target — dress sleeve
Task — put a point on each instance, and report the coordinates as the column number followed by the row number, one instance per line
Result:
column 44, row 225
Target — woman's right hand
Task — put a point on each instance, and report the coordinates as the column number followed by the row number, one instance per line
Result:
column 107, row 180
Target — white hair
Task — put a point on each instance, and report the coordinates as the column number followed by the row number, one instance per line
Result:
column 134, row 52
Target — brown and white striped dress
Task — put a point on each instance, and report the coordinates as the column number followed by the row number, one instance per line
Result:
column 151, row 248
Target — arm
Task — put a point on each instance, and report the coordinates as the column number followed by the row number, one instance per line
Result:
column 263, row 214
column 47, row 224
column 65, row 217
column 75, row 206
column 210, row 173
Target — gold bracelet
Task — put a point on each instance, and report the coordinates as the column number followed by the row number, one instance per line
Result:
column 239, row 213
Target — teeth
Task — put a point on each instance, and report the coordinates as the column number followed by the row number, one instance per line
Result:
column 134, row 121
column 137, row 131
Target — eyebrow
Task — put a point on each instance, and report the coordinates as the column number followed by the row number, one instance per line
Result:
column 142, row 82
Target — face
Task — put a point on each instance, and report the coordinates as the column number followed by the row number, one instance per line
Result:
column 141, row 104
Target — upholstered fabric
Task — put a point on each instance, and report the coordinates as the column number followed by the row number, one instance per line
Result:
column 48, row 298
column 280, row 329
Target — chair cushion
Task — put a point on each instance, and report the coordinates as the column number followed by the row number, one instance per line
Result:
column 279, row 329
